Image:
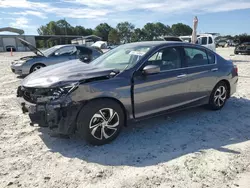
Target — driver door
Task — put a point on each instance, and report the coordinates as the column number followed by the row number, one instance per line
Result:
column 164, row 90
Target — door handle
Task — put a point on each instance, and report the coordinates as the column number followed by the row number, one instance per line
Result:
column 181, row 76
column 214, row 70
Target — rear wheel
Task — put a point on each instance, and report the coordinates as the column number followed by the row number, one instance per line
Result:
column 100, row 121
column 36, row 67
column 218, row 96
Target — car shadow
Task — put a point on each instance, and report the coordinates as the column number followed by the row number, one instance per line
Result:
column 21, row 77
column 164, row 138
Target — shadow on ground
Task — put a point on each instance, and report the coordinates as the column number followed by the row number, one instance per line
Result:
column 164, row 138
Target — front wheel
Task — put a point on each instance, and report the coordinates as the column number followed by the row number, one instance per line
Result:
column 36, row 67
column 218, row 96
column 100, row 121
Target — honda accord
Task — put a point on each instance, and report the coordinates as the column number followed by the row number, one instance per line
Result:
column 130, row 82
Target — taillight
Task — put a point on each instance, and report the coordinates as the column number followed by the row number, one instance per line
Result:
column 236, row 69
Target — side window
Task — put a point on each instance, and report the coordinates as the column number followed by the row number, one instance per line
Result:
column 211, row 57
column 167, row 59
column 210, row 40
column 196, row 57
column 64, row 51
column 203, row 40
column 84, row 51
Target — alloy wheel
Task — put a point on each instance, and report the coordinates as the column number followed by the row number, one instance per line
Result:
column 104, row 123
column 220, row 96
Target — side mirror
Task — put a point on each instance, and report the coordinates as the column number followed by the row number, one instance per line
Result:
column 151, row 69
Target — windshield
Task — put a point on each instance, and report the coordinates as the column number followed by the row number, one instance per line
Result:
column 49, row 51
column 122, row 57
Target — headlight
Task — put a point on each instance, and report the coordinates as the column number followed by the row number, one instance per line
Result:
column 58, row 92
column 50, row 94
column 19, row 63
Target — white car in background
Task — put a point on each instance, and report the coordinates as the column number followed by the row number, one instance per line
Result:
column 206, row 40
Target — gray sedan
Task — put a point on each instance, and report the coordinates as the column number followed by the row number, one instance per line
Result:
column 51, row 56
column 131, row 82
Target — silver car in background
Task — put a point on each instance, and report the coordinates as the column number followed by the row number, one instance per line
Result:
column 51, row 56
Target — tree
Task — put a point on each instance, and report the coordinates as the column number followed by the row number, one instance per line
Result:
column 79, row 30
column 181, row 29
column 162, row 30
column 125, row 30
column 114, row 37
column 138, row 35
column 89, row 31
column 102, row 30
column 64, row 27
column 155, row 30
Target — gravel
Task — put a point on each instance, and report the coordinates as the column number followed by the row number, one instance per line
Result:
column 192, row 148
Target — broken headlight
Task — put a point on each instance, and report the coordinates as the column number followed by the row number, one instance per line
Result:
column 50, row 94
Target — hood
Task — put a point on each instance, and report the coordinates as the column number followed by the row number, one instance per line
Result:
column 24, row 59
column 31, row 47
column 63, row 73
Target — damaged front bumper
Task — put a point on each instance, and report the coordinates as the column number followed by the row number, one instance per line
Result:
column 59, row 115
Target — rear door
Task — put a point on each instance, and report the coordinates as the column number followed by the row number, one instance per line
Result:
column 164, row 90
column 202, row 72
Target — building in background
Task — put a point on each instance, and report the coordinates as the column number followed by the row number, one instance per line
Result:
column 43, row 41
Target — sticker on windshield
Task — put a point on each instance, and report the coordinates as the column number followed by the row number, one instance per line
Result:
column 139, row 53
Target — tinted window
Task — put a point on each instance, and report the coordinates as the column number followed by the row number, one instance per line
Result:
column 167, row 59
column 83, row 51
column 203, row 40
column 196, row 57
column 210, row 40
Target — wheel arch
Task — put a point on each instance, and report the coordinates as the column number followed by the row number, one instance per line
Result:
column 228, row 86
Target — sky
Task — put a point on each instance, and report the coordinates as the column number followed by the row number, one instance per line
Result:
column 220, row 16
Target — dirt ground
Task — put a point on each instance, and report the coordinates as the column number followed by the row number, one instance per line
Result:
column 195, row 148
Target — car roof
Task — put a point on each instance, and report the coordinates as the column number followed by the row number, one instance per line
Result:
column 163, row 43
column 152, row 43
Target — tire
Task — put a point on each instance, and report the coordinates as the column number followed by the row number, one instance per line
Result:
column 235, row 52
column 218, row 96
column 36, row 67
column 100, row 112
